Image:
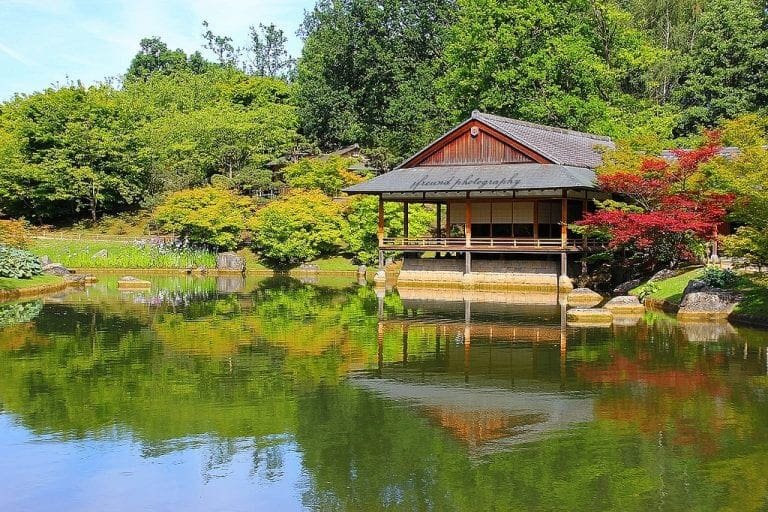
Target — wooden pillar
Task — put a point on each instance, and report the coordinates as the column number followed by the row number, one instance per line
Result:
column 468, row 222
column 439, row 229
column 584, row 209
column 536, row 220
column 467, row 262
column 564, row 264
column 405, row 219
column 564, row 220
column 447, row 219
column 381, row 221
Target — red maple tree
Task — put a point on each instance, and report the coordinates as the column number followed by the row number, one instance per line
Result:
column 666, row 216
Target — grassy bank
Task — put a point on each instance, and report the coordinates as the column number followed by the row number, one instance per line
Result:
column 8, row 284
column 82, row 254
column 754, row 288
column 128, row 255
column 671, row 290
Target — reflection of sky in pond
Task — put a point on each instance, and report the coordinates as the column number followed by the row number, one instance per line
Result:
column 273, row 394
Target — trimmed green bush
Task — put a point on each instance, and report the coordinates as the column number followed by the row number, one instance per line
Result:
column 719, row 277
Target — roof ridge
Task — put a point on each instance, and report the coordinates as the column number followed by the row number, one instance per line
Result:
column 476, row 114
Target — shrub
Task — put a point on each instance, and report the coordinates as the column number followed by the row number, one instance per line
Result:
column 209, row 215
column 300, row 227
column 647, row 290
column 719, row 277
column 14, row 233
column 18, row 263
column 329, row 174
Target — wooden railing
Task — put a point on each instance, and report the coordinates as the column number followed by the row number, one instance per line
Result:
column 485, row 243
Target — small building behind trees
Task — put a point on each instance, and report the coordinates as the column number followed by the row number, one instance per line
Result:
column 504, row 193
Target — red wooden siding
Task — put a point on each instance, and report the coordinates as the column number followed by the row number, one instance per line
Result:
column 487, row 146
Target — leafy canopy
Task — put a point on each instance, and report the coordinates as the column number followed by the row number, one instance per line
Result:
column 209, row 215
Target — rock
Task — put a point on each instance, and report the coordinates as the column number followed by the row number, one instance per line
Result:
column 45, row 260
column 710, row 303
column 695, row 286
column 663, row 274
column 230, row 261
column 101, row 254
column 584, row 297
column 75, row 279
column 624, row 288
column 589, row 317
column 55, row 269
column 133, row 283
column 625, row 305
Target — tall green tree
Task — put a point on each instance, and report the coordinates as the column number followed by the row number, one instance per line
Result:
column 368, row 69
column 266, row 53
column 72, row 152
column 724, row 72
column 576, row 63
column 155, row 57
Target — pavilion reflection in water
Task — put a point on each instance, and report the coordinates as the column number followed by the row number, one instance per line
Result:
column 492, row 372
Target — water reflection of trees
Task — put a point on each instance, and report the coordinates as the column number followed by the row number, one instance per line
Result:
column 680, row 424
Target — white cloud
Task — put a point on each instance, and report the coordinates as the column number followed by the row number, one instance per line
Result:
column 10, row 52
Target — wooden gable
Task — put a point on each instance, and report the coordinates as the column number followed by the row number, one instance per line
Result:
column 474, row 143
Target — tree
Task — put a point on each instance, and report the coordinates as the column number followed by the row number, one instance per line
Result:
column 208, row 215
column 155, row 57
column 266, row 52
column 297, row 228
column 221, row 46
column 575, row 64
column 328, row 173
column 362, row 215
column 71, row 150
column 367, row 72
column 669, row 214
column 724, row 73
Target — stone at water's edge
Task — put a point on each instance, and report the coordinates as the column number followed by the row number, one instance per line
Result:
column 56, row 269
column 230, row 261
column 708, row 304
column 625, row 305
column 584, row 297
column 133, row 283
column 625, row 288
column 591, row 316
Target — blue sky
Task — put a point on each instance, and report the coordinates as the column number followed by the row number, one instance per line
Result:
column 44, row 42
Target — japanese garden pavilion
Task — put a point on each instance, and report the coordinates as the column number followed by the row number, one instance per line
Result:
column 503, row 189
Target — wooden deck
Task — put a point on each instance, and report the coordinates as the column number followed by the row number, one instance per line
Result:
column 522, row 245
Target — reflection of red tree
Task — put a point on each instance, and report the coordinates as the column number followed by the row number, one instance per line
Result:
column 683, row 404
column 476, row 428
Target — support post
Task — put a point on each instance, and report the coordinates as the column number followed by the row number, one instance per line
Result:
column 564, row 264
column 439, row 230
column 405, row 219
column 468, row 222
column 380, row 231
column 381, row 261
column 564, row 220
column 584, row 209
column 467, row 262
column 715, row 258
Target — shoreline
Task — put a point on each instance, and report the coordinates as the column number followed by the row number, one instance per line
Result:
column 33, row 291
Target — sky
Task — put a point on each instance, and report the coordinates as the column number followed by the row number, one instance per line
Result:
column 47, row 42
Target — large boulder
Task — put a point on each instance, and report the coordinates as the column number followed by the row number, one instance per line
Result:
column 625, row 305
column 709, row 303
column 229, row 261
column 584, row 297
column 56, row 269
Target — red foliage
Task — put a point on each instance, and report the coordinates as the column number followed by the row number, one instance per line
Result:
column 672, row 215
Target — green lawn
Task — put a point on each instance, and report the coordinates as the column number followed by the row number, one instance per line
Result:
column 80, row 254
column 671, row 290
column 755, row 302
column 8, row 283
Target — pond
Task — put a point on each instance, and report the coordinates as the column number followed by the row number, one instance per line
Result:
column 276, row 394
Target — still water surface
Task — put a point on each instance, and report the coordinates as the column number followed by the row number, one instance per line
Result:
column 273, row 394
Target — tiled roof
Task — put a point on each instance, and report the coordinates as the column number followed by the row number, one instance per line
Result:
column 564, row 147
column 468, row 178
